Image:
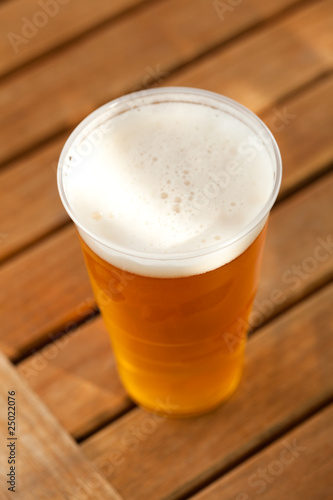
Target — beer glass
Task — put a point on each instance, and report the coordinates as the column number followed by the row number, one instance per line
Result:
column 170, row 191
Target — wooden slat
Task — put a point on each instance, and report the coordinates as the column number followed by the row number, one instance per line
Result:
column 272, row 397
column 48, row 464
column 55, row 94
column 305, row 453
column 42, row 290
column 271, row 62
column 302, row 127
column 30, row 201
column 90, row 372
column 48, row 23
column 299, row 252
column 77, row 375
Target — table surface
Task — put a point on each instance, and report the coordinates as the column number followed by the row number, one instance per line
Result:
column 78, row 434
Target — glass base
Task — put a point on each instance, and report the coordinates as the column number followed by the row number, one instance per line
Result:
column 182, row 405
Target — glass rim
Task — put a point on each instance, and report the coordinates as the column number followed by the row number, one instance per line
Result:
column 165, row 255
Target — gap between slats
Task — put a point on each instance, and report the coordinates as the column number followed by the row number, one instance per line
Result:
column 320, row 409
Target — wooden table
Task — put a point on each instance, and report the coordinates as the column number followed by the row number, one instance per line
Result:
column 78, row 434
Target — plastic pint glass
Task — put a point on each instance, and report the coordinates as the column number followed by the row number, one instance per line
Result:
column 170, row 190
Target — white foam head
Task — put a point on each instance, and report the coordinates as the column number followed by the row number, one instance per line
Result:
column 170, row 182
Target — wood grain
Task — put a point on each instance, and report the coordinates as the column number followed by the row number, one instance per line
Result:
column 48, row 462
column 299, row 252
column 77, row 375
column 271, row 62
column 31, row 205
column 82, row 363
column 282, row 70
column 304, row 453
column 301, row 126
column 16, row 332
column 43, row 290
column 31, row 29
column 142, row 49
column 272, row 397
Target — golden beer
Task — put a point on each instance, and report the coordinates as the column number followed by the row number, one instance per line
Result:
column 178, row 342
column 177, row 315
